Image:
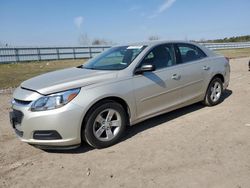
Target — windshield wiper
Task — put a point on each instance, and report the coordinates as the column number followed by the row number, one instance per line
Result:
column 80, row 66
column 83, row 67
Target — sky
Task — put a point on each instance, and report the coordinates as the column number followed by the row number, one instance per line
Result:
column 62, row 22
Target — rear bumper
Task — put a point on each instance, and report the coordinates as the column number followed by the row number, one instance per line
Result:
column 225, row 85
column 226, row 80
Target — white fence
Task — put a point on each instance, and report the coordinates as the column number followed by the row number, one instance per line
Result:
column 20, row 54
column 231, row 45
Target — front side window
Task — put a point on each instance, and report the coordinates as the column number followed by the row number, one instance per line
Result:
column 161, row 56
column 189, row 52
column 115, row 58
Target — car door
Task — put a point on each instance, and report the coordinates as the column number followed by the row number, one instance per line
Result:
column 158, row 90
column 193, row 62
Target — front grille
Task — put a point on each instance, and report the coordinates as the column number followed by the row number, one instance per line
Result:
column 18, row 116
column 21, row 102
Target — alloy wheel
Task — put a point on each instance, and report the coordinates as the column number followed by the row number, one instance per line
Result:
column 107, row 125
column 216, row 91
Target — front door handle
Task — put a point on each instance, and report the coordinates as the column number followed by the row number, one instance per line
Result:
column 176, row 77
column 206, row 68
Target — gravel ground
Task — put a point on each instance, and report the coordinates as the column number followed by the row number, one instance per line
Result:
column 195, row 146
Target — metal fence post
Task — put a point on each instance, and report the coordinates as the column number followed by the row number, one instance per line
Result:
column 90, row 52
column 57, row 52
column 16, row 55
column 38, row 54
column 74, row 53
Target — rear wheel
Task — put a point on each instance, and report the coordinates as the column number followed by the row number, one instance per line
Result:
column 105, row 124
column 214, row 92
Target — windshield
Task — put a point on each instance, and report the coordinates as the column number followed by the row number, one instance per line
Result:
column 115, row 58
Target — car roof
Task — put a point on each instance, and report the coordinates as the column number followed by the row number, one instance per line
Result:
column 157, row 42
column 150, row 44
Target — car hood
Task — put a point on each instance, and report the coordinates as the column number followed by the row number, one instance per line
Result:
column 67, row 79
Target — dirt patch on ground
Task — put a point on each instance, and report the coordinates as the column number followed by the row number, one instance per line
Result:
column 195, row 146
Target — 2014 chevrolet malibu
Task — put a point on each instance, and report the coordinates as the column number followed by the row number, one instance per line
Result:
column 122, row 86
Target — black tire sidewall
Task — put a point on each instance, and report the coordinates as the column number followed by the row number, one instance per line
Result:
column 208, row 99
column 90, row 119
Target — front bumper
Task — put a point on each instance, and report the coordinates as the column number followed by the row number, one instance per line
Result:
column 62, row 125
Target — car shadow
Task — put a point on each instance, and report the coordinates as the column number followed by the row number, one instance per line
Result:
column 147, row 124
column 83, row 148
column 158, row 120
column 226, row 94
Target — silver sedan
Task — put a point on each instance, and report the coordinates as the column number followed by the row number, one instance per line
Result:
column 124, row 85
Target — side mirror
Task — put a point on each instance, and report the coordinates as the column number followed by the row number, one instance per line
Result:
column 145, row 68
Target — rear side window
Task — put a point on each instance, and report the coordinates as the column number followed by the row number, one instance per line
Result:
column 161, row 57
column 189, row 52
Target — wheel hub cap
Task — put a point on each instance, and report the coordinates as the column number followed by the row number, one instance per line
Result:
column 107, row 125
column 216, row 92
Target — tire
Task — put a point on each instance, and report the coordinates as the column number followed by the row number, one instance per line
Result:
column 214, row 92
column 105, row 124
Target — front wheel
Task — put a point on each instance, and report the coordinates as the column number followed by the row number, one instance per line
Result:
column 214, row 92
column 105, row 124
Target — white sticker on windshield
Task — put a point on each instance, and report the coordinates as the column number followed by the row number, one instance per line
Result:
column 134, row 47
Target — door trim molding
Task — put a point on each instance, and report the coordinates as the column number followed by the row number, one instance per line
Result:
column 171, row 90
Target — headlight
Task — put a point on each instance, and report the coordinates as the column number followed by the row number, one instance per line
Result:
column 54, row 101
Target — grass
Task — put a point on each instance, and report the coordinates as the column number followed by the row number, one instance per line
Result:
column 235, row 53
column 11, row 75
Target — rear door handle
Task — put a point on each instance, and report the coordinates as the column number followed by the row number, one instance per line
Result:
column 206, row 68
column 176, row 77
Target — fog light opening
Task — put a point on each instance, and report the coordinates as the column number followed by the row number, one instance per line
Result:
column 46, row 135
